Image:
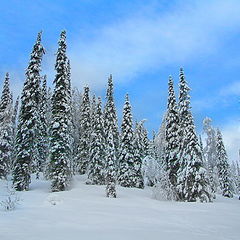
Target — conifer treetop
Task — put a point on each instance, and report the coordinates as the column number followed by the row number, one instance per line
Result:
column 6, row 97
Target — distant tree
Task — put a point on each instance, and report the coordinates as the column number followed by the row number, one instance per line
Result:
column 223, row 167
column 110, row 167
column 126, row 176
column 43, row 144
column 14, row 123
column 6, row 129
column 28, row 120
column 210, row 153
column 238, row 176
column 160, row 142
column 96, row 174
column 192, row 182
column 138, row 155
column 85, row 132
column 60, row 152
column 76, row 113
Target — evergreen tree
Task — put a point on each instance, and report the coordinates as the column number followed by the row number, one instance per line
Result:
column 171, row 135
column 93, row 109
column 210, row 153
column 126, row 176
column 223, row 167
column 28, row 120
column 110, row 116
column 60, row 172
column 238, row 176
column 6, row 129
column 85, row 131
column 192, row 181
column 14, row 123
column 138, row 156
column 70, row 118
column 15, row 114
column 97, row 148
column 43, row 129
column 76, row 104
column 160, row 142
column 110, row 166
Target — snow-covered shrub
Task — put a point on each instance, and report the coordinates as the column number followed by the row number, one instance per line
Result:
column 11, row 199
column 150, row 171
column 163, row 189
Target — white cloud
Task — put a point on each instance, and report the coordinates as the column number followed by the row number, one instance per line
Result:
column 231, row 140
column 231, row 90
column 149, row 40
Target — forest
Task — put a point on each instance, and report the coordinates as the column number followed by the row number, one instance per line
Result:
column 61, row 132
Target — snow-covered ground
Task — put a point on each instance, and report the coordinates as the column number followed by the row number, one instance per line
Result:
column 85, row 213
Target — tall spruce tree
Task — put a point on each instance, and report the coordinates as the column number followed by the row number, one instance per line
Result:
column 126, row 176
column 85, row 132
column 28, row 120
column 96, row 172
column 60, row 172
column 110, row 116
column 171, row 135
column 6, row 129
column 192, row 182
column 110, row 166
column 223, row 167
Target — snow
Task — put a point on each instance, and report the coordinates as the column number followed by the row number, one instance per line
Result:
column 85, row 213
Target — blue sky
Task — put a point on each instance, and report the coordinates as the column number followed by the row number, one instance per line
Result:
column 141, row 43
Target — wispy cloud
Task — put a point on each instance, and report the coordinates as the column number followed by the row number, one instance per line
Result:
column 149, row 40
column 231, row 140
column 231, row 90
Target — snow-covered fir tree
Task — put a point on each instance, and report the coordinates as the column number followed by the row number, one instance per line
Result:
column 70, row 120
column 6, row 129
column 126, row 177
column 15, row 114
column 210, row 153
column 85, row 132
column 138, row 155
column 163, row 188
column 223, row 167
column 43, row 143
column 93, row 109
column 110, row 116
column 171, row 135
column 60, row 152
column 150, row 171
column 28, row 120
column 110, row 176
column 14, row 123
column 234, row 177
column 76, row 114
column 238, row 175
column 153, row 150
column 192, row 181
column 160, row 141
column 96, row 174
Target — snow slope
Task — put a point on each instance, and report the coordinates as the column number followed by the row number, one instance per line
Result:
column 85, row 213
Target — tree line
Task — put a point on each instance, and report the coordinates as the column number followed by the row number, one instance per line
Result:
column 64, row 132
